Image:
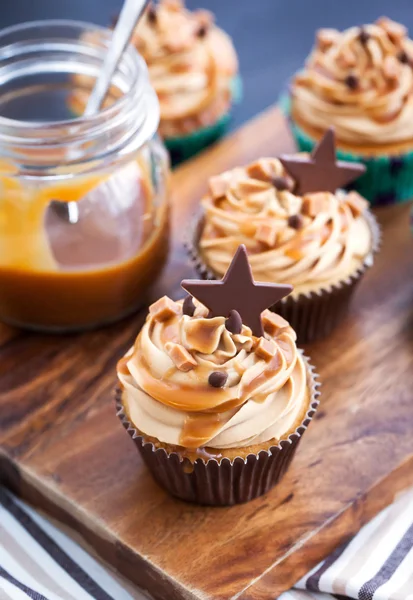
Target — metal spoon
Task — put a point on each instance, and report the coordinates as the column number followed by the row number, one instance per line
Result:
column 130, row 14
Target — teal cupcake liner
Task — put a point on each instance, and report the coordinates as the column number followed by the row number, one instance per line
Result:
column 183, row 147
column 387, row 180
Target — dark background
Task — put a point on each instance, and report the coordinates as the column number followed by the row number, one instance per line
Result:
column 272, row 37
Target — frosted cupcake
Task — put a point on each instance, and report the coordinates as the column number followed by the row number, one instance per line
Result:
column 193, row 68
column 361, row 82
column 298, row 227
column 215, row 393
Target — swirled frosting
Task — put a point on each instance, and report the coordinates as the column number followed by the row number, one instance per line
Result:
column 191, row 65
column 310, row 241
column 166, row 389
column 361, row 82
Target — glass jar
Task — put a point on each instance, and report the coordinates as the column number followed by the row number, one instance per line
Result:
column 83, row 200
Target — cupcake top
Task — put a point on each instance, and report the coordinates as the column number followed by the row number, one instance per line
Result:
column 201, row 375
column 191, row 64
column 361, row 82
column 300, row 230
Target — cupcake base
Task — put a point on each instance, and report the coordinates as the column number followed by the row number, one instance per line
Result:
column 221, row 481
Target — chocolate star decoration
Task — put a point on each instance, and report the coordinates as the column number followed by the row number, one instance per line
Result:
column 238, row 291
column 321, row 172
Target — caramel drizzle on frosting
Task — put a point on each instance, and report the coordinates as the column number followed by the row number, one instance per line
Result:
column 149, row 368
column 361, row 82
column 300, row 240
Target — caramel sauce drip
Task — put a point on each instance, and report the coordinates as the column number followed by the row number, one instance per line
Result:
column 122, row 366
column 272, row 369
column 205, row 336
column 170, row 332
column 179, row 396
column 200, row 428
column 23, row 242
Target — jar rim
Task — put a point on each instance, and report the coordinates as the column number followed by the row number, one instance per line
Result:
column 128, row 114
column 76, row 24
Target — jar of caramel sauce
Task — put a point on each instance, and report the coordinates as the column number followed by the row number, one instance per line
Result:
column 83, row 200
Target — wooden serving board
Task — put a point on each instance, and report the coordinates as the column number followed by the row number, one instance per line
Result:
column 63, row 449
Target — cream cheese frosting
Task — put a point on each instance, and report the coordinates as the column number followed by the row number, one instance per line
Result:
column 191, row 65
column 311, row 241
column 361, row 82
column 166, row 389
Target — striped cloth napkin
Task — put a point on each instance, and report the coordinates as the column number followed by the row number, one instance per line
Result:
column 39, row 560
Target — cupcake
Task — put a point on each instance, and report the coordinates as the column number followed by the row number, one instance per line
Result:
column 214, row 392
column 361, row 82
column 193, row 68
column 298, row 226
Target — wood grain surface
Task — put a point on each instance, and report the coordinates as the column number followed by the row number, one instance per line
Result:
column 63, row 449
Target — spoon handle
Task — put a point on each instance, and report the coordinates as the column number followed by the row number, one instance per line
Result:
column 128, row 18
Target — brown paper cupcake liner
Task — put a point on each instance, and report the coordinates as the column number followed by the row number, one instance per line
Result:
column 225, row 481
column 312, row 315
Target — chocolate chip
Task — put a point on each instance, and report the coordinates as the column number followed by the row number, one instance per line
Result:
column 188, row 307
column 217, row 379
column 151, row 15
column 403, row 57
column 202, row 31
column 234, row 322
column 280, row 183
column 295, row 221
column 363, row 36
column 351, row 82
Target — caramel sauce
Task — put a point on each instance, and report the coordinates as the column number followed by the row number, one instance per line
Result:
column 122, row 366
column 294, row 253
column 170, row 332
column 344, row 218
column 180, row 396
column 239, row 368
column 200, row 428
column 201, row 335
column 225, row 406
column 288, row 350
column 38, row 290
column 247, row 229
column 188, row 467
column 272, row 369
